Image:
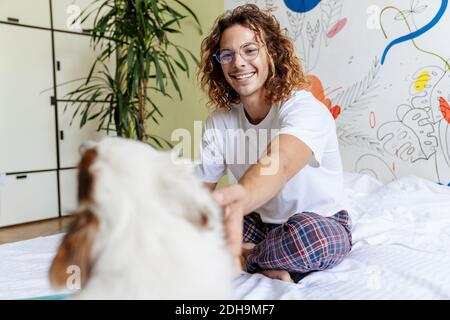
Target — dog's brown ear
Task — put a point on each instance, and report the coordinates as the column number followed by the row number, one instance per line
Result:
column 75, row 250
column 86, row 176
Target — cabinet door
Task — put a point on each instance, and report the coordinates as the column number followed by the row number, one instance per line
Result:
column 66, row 14
column 75, row 58
column 68, row 190
column 27, row 118
column 29, row 12
column 28, row 197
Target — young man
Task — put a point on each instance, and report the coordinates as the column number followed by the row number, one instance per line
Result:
column 288, row 202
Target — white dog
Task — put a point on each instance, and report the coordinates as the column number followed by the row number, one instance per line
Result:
column 145, row 228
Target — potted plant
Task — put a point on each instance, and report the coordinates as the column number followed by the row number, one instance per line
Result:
column 136, row 35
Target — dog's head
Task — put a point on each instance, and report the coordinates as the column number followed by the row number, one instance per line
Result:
column 125, row 186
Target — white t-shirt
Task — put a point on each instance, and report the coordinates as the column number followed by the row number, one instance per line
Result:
column 231, row 142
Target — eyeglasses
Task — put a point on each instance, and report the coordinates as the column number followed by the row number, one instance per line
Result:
column 248, row 51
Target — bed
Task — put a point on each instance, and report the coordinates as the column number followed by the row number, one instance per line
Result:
column 401, row 235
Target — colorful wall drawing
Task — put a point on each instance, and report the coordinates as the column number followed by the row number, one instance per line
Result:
column 382, row 68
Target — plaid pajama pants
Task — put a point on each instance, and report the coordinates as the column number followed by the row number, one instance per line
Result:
column 306, row 242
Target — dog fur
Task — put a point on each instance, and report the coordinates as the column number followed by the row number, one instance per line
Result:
column 145, row 228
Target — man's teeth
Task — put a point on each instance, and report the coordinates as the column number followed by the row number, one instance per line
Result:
column 244, row 76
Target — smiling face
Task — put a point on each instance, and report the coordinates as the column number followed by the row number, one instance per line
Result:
column 247, row 78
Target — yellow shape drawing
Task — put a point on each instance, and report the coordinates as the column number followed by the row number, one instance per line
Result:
column 421, row 81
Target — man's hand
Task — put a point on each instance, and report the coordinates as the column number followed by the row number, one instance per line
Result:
column 231, row 199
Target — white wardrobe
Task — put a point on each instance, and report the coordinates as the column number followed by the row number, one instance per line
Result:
column 40, row 51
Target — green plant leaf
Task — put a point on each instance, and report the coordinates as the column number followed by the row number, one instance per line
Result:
column 159, row 74
column 135, row 34
column 183, row 60
column 172, row 75
column 192, row 14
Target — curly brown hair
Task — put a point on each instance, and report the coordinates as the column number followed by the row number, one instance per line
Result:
column 285, row 72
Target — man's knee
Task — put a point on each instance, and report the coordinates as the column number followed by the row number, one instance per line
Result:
column 317, row 245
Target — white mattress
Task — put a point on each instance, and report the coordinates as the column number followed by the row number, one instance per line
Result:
column 401, row 235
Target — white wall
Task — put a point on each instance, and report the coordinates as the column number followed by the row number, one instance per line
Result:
column 390, row 122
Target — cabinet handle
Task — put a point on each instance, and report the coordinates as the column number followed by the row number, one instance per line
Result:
column 58, row 65
column 15, row 20
column 61, row 135
column 21, row 177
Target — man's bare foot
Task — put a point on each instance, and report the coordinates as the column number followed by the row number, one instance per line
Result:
column 282, row 275
column 246, row 249
column 274, row 274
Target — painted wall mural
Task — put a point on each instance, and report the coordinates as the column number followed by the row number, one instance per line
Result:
column 382, row 68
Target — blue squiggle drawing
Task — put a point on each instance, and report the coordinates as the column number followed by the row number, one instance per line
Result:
column 301, row 6
column 418, row 32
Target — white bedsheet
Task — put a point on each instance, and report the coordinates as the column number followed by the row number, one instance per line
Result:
column 24, row 267
column 401, row 236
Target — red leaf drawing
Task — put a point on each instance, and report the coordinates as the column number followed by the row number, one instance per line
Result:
column 337, row 27
column 445, row 109
column 335, row 111
column 318, row 92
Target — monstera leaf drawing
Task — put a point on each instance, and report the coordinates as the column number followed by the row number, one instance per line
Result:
column 412, row 137
column 430, row 92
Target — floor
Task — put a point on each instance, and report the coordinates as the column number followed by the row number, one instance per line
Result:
column 34, row 229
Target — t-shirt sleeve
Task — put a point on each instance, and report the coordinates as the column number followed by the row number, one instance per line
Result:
column 211, row 166
column 310, row 121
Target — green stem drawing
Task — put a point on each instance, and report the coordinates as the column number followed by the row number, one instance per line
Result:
column 410, row 30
